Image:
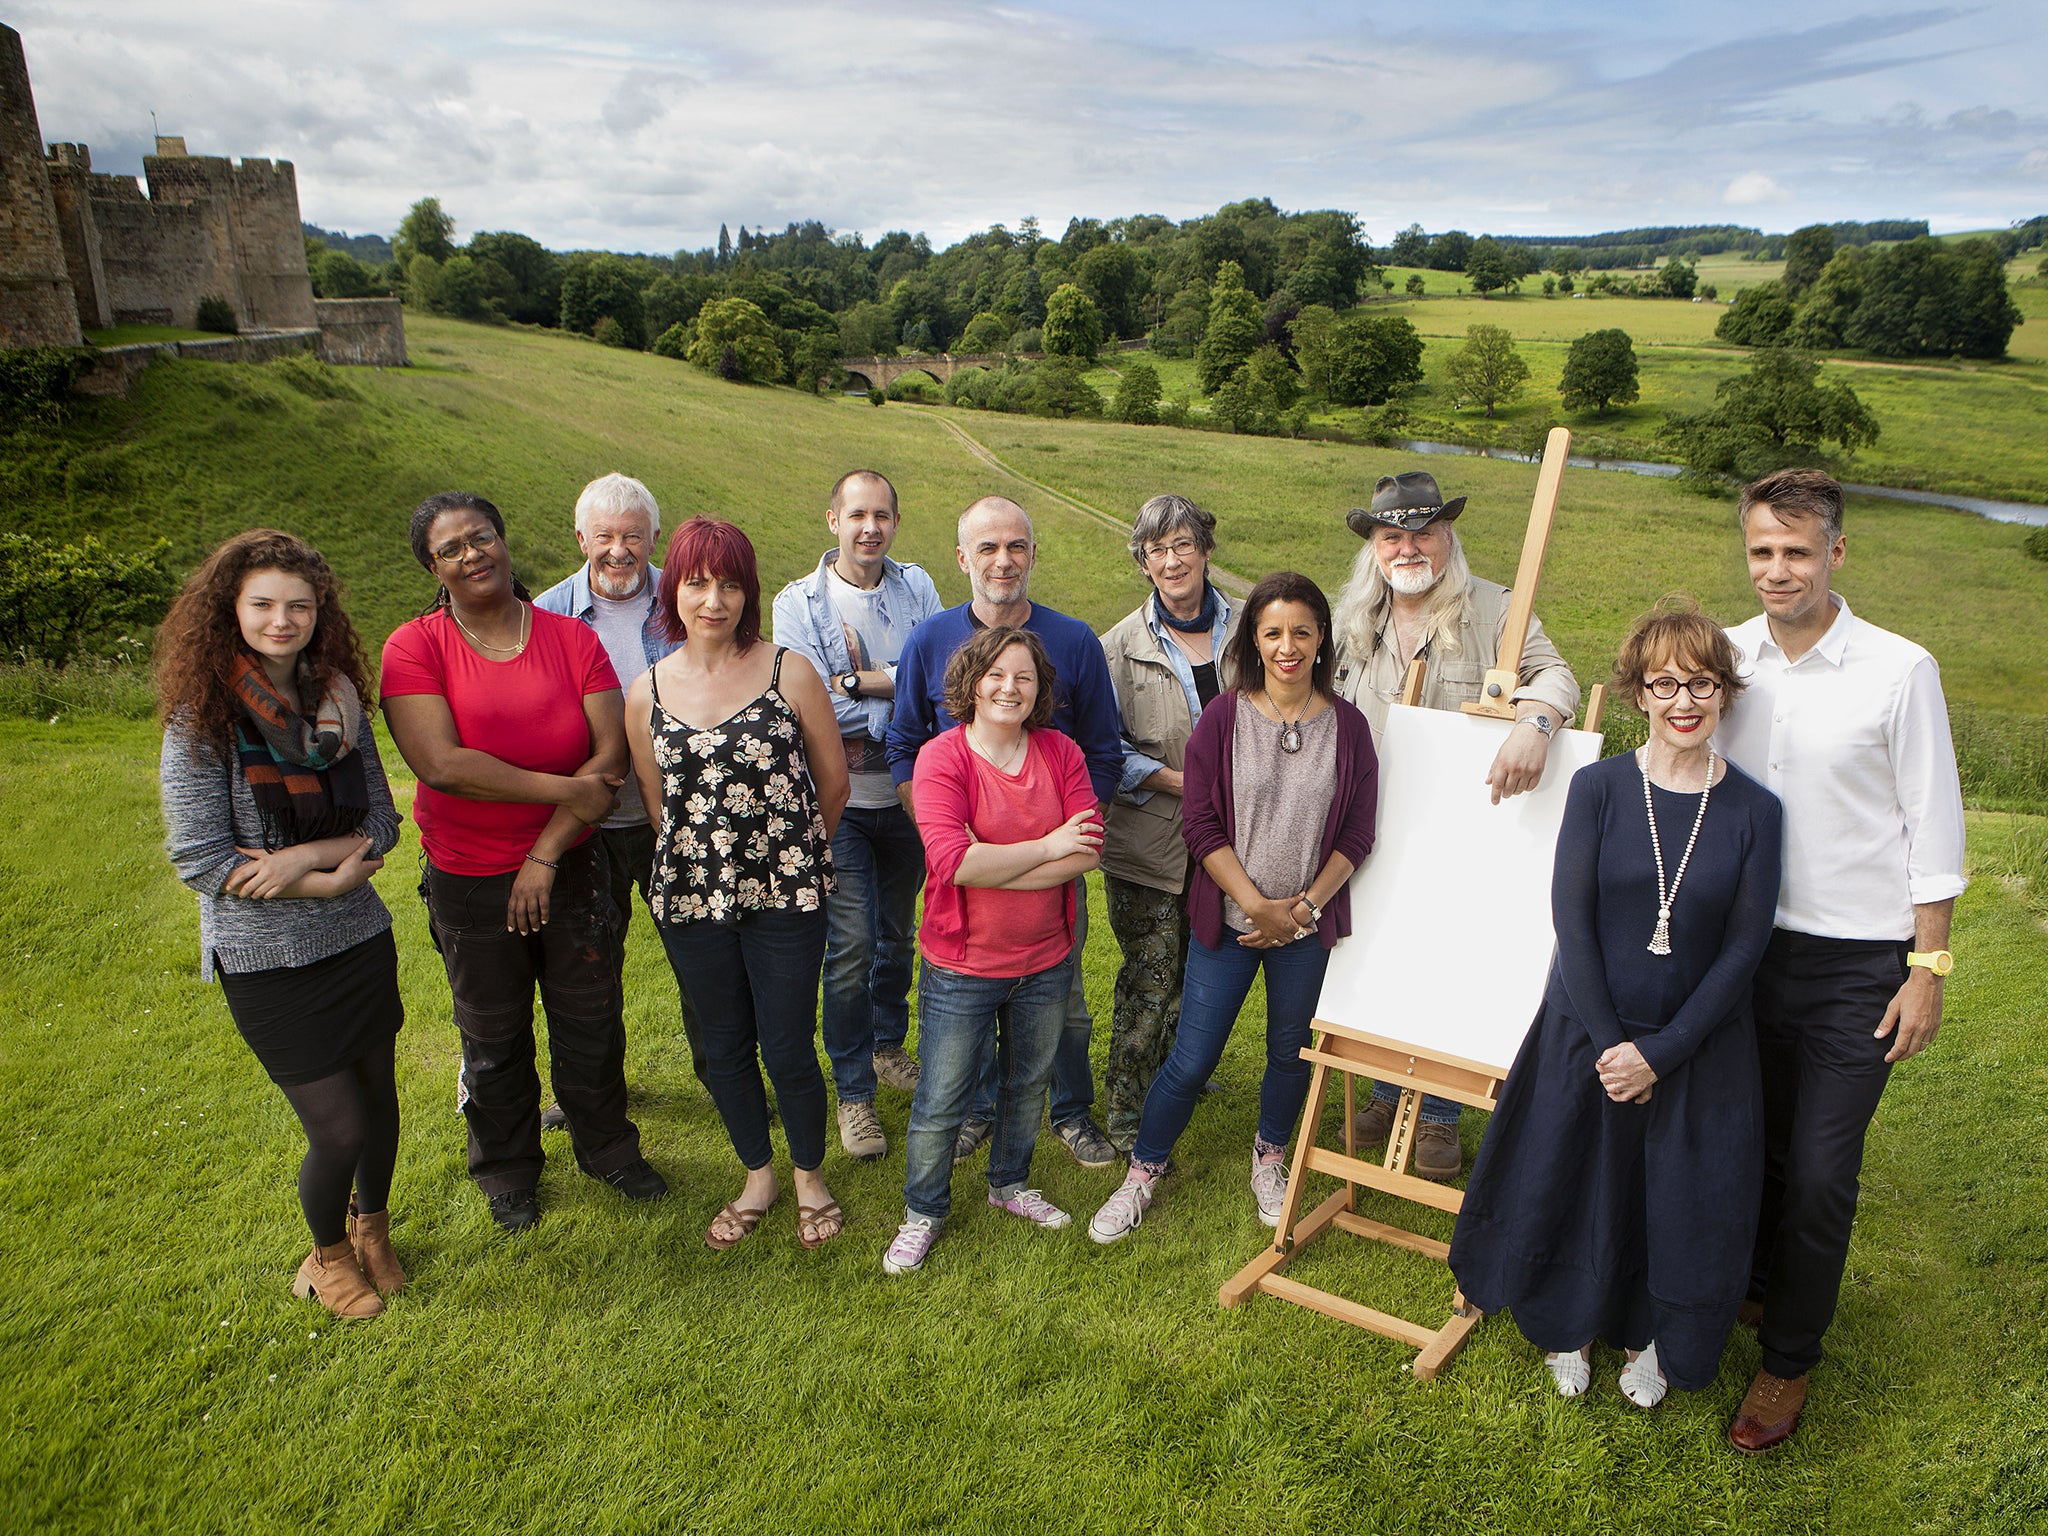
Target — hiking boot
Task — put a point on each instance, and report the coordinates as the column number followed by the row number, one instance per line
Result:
column 1437, row 1152
column 895, row 1067
column 515, row 1210
column 554, row 1118
column 638, row 1181
column 1085, row 1140
column 1372, row 1127
column 972, row 1134
column 860, row 1131
column 1033, row 1207
column 907, row 1249
column 1123, row 1211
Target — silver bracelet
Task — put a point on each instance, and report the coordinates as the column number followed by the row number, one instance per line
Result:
column 544, row 863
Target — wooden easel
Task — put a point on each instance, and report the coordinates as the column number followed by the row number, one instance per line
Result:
column 1353, row 1053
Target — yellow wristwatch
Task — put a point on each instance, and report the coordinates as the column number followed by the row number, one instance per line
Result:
column 1939, row 961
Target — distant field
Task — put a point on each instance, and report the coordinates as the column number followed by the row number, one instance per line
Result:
column 129, row 335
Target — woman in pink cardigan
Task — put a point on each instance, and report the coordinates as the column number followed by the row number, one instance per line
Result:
column 1282, row 792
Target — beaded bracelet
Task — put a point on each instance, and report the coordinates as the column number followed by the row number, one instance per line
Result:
column 545, row 863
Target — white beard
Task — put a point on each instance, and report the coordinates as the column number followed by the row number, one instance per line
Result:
column 615, row 585
column 1411, row 583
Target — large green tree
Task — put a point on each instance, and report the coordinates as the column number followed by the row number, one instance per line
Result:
column 1233, row 330
column 1759, row 317
column 534, row 295
column 1486, row 266
column 1781, row 413
column 1137, row 395
column 1073, row 325
column 600, row 287
column 426, row 230
column 735, row 340
column 1113, row 277
column 1927, row 299
column 1599, row 371
column 1487, row 368
column 1373, row 357
column 1806, row 253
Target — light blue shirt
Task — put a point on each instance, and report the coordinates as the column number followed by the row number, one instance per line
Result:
column 1137, row 766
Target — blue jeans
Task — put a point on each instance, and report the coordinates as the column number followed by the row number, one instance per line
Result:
column 1215, row 987
column 879, row 859
column 754, row 983
column 1073, row 1079
column 1435, row 1111
column 959, row 1017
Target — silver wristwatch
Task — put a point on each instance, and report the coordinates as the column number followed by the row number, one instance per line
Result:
column 1542, row 723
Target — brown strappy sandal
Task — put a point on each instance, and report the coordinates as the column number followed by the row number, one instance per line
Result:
column 817, row 1225
column 746, row 1220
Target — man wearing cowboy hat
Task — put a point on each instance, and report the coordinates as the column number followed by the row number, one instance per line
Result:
column 1411, row 595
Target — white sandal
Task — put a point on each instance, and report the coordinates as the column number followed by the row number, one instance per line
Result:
column 1642, row 1379
column 1572, row 1372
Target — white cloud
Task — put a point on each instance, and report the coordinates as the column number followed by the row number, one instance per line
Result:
column 2035, row 163
column 1755, row 187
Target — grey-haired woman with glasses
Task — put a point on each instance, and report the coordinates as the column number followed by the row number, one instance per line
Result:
column 1163, row 659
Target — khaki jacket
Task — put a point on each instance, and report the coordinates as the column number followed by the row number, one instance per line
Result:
column 1142, row 843
column 1374, row 682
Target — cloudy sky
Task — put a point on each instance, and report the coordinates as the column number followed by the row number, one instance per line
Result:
column 637, row 125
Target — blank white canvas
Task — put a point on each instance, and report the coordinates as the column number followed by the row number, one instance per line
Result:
column 1450, row 914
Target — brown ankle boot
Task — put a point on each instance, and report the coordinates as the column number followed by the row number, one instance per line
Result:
column 332, row 1275
column 371, row 1236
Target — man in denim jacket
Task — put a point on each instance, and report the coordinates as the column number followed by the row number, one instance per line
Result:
column 850, row 618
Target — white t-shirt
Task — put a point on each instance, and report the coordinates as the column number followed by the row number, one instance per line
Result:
column 867, row 760
column 619, row 623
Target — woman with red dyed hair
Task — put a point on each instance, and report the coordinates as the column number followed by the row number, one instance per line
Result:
column 737, row 744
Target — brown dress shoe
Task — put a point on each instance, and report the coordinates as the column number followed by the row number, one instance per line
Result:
column 1750, row 1313
column 332, row 1274
column 1437, row 1153
column 371, row 1237
column 1371, row 1127
column 1769, row 1413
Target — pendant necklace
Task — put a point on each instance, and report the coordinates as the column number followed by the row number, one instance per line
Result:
column 1290, row 730
column 1660, row 939
column 525, row 620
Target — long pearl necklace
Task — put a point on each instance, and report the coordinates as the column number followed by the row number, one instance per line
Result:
column 1660, row 940
column 525, row 620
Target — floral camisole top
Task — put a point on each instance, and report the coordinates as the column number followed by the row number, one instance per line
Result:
column 740, row 825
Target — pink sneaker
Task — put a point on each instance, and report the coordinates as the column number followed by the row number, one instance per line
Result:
column 907, row 1250
column 1034, row 1208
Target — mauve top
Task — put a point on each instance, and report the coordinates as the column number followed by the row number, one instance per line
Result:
column 1209, row 812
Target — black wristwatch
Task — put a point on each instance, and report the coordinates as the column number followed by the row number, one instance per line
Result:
column 849, row 684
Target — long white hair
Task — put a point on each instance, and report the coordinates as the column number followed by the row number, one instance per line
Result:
column 1366, row 601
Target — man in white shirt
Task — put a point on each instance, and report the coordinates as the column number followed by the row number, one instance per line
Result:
column 1845, row 723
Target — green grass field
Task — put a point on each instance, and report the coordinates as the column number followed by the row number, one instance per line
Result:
column 609, row 1372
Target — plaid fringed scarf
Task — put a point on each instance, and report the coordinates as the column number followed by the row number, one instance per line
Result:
column 305, row 775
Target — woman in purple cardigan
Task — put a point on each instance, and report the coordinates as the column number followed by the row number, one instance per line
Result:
column 1282, row 786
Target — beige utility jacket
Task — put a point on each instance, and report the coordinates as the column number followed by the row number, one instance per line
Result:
column 1374, row 682
column 1142, row 843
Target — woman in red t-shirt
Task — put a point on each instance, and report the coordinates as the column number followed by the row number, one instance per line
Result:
column 512, row 720
column 1009, row 821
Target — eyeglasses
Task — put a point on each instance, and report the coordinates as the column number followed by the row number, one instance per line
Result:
column 1182, row 550
column 479, row 541
column 1698, row 687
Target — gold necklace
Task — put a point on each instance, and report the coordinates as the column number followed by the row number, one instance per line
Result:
column 525, row 624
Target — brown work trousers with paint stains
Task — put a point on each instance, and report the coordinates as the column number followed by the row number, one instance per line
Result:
column 492, row 972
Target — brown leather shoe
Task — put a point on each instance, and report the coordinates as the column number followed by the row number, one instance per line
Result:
column 332, row 1274
column 371, row 1237
column 1769, row 1413
column 1371, row 1127
column 1750, row 1313
column 1437, row 1153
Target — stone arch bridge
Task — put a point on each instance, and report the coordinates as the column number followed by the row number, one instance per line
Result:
column 881, row 372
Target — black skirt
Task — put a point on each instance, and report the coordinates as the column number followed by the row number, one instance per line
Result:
column 306, row 1022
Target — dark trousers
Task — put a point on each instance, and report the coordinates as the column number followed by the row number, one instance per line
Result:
column 630, row 851
column 871, row 929
column 1818, row 1004
column 755, row 984
column 492, row 972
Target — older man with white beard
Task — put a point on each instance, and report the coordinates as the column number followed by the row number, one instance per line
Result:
column 1412, row 596
column 614, row 592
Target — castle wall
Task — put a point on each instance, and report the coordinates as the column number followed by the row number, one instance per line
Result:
column 70, row 169
column 36, row 305
column 161, row 258
column 364, row 332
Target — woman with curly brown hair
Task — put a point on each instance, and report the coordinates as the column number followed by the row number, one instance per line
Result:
column 278, row 814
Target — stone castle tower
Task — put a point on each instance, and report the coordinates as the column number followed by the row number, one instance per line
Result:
column 115, row 255
column 36, row 304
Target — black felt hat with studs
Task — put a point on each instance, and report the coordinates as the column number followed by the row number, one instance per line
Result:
column 1408, row 502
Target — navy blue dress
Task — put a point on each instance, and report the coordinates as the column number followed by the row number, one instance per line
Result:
column 1631, row 1222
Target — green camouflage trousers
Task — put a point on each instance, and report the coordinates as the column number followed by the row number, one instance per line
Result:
column 1152, row 930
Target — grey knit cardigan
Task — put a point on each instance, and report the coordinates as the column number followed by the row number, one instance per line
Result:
column 208, row 811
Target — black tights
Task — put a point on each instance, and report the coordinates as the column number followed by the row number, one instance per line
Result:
column 351, row 1122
